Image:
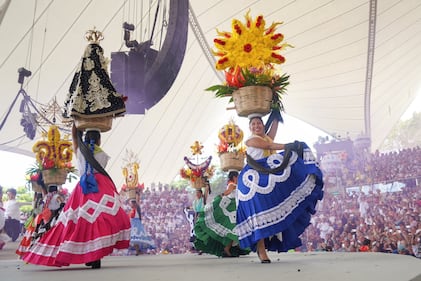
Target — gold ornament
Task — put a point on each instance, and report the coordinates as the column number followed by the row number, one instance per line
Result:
column 53, row 152
column 94, row 36
column 196, row 148
column 231, row 134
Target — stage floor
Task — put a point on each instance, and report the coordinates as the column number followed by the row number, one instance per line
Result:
column 324, row 266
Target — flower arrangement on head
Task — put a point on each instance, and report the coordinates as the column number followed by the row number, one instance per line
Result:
column 53, row 152
column 249, row 55
column 197, row 174
column 130, row 173
column 231, row 137
column 231, row 150
column 34, row 177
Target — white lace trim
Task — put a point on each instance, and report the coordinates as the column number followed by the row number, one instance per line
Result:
column 217, row 227
column 81, row 248
column 309, row 157
column 278, row 213
column 251, row 177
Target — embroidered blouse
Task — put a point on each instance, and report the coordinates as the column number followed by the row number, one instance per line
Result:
column 259, row 153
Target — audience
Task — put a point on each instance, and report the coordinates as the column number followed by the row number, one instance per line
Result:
column 391, row 224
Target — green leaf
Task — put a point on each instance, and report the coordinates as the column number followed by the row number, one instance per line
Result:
column 278, row 85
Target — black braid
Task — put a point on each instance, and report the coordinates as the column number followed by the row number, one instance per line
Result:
column 89, row 156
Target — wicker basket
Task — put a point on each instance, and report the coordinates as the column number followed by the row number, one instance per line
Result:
column 36, row 187
column 231, row 161
column 197, row 183
column 54, row 176
column 252, row 99
column 104, row 124
column 131, row 193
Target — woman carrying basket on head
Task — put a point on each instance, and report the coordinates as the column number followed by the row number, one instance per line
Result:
column 277, row 192
column 92, row 223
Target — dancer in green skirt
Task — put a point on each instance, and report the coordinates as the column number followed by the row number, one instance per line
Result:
column 214, row 228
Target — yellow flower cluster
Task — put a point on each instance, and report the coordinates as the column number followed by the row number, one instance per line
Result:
column 249, row 45
column 53, row 152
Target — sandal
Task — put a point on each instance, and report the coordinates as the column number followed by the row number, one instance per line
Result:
column 262, row 260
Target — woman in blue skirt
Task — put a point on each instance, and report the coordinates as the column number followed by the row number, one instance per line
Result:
column 139, row 238
column 277, row 192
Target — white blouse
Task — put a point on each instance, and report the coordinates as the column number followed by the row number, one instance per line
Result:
column 100, row 156
column 254, row 152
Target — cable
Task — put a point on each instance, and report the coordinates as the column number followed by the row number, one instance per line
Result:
column 31, row 40
column 104, row 28
column 26, row 33
column 154, row 22
column 13, row 140
column 42, row 58
column 60, row 40
column 10, row 110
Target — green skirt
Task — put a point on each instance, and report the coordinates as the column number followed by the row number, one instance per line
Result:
column 214, row 228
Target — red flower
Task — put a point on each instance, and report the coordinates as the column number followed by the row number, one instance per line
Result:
column 48, row 163
column 197, row 172
column 247, row 48
column 222, row 147
column 234, row 77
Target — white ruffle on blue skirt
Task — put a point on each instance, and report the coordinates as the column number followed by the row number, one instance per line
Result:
column 278, row 206
column 138, row 235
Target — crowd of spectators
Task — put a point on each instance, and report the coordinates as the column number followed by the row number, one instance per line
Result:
column 388, row 222
column 164, row 220
column 368, row 168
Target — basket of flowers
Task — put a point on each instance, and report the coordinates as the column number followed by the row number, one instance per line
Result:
column 197, row 173
column 232, row 160
column 252, row 99
column 230, row 149
column 130, row 169
column 54, row 155
column 36, row 187
column 34, row 177
column 54, row 176
column 197, row 182
column 249, row 56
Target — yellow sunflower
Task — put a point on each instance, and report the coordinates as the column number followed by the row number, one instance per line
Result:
column 249, row 45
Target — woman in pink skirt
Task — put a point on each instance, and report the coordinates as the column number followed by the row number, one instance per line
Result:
column 92, row 223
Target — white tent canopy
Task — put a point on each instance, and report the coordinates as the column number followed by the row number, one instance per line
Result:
column 328, row 69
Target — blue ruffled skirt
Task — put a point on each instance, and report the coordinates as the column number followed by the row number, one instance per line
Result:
column 278, row 207
column 139, row 236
